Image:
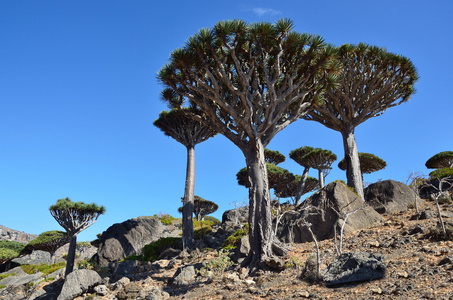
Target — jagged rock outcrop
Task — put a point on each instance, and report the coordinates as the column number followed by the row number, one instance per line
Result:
column 324, row 210
column 389, row 196
column 355, row 267
column 8, row 234
column 129, row 238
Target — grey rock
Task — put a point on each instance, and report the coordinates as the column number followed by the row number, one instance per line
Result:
column 325, row 210
column 123, row 268
column 121, row 283
column 184, row 275
column 275, row 263
column 355, row 267
column 78, row 282
column 169, row 253
column 101, row 290
column 389, row 196
column 236, row 216
column 129, row 238
column 242, row 250
column 35, row 258
column 8, row 234
column 19, row 280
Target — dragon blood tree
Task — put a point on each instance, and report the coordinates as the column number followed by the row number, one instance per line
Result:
column 48, row 241
column 74, row 217
column 373, row 80
column 188, row 131
column 251, row 81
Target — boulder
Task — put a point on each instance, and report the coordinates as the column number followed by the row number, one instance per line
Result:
column 78, row 282
column 324, row 210
column 236, row 216
column 129, row 238
column 355, row 267
column 389, row 196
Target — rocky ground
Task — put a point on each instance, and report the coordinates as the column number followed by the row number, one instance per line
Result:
column 419, row 266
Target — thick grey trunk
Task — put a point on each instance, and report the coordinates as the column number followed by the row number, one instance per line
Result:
column 351, row 156
column 300, row 189
column 260, row 216
column 70, row 259
column 188, row 202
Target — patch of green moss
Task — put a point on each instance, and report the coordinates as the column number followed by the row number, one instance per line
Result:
column 153, row 250
column 233, row 240
column 2, row 286
column 201, row 232
column 441, row 173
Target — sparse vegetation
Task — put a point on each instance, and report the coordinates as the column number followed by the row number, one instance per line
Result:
column 43, row 268
column 152, row 250
column 216, row 266
column 166, row 219
column 233, row 240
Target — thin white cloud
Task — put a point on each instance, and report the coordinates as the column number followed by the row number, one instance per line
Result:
column 260, row 11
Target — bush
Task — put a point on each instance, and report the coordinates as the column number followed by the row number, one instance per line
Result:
column 214, row 221
column 233, row 240
column 201, row 232
column 3, row 276
column 217, row 265
column 2, row 286
column 154, row 249
column 166, row 219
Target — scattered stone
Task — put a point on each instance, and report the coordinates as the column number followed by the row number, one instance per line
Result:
column 402, row 274
column 242, row 250
column 101, row 290
column 376, row 290
column 130, row 291
column 77, row 283
column 275, row 263
column 355, row 267
column 184, row 275
column 121, row 283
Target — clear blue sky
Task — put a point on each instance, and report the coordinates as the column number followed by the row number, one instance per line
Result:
column 78, row 97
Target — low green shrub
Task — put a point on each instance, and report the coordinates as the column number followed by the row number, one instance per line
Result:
column 2, row 286
column 217, row 265
column 233, row 240
column 154, row 249
column 43, row 268
column 91, row 265
column 166, row 219
column 214, row 220
column 201, row 232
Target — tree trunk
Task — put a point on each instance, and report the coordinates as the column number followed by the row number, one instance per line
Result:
column 188, row 202
column 260, row 216
column 70, row 259
column 300, row 189
column 351, row 156
column 321, row 178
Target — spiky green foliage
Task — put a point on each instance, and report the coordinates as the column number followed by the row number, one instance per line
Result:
column 75, row 216
column 440, row 160
column 273, row 156
column 250, row 75
column 10, row 250
column 289, row 189
column 49, row 241
column 369, row 163
column 441, row 173
column 319, row 159
column 178, row 124
column 275, row 174
column 298, row 155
